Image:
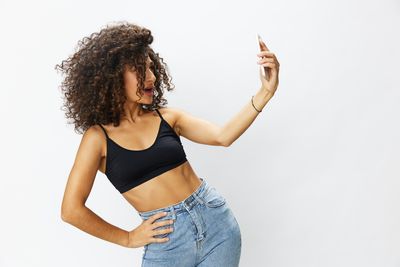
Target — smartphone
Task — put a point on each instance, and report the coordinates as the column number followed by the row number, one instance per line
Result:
column 263, row 69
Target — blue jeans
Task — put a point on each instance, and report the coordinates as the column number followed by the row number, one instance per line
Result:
column 205, row 233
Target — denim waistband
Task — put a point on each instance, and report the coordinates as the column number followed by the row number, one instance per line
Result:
column 182, row 206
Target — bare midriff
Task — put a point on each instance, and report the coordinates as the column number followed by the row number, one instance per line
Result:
column 166, row 189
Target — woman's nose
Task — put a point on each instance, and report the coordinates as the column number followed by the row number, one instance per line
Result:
column 151, row 76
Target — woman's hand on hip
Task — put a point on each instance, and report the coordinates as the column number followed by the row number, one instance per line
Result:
column 144, row 233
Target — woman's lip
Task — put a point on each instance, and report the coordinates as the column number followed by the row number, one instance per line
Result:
column 149, row 93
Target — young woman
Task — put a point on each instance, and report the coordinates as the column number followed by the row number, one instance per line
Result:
column 113, row 90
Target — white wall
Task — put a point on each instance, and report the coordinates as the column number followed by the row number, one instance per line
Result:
column 313, row 182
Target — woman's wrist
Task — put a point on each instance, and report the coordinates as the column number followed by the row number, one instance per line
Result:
column 265, row 93
column 123, row 238
column 260, row 99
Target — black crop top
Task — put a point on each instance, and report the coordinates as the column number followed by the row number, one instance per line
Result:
column 127, row 168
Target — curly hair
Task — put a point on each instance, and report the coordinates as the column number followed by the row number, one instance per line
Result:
column 93, row 89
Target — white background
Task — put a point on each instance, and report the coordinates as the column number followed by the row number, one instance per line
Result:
column 313, row 182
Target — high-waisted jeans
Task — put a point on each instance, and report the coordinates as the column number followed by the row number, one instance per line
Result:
column 205, row 233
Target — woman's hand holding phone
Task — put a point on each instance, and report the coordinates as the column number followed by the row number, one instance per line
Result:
column 269, row 71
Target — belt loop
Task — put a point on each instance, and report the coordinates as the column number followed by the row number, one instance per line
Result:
column 173, row 213
column 198, row 198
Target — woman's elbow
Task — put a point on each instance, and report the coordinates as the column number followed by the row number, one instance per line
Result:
column 69, row 212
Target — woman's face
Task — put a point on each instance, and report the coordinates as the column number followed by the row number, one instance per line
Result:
column 131, row 85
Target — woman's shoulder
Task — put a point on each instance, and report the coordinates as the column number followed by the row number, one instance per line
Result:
column 169, row 111
column 170, row 114
column 93, row 139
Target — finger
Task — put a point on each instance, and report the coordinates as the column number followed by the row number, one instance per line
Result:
column 269, row 65
column 159, row 240
column 163, row 231
column 156, row 216
column 266, row 54
column 263, row 46
column 274, row 64
column 162, row 223
column 265, row 59
column 261, row 43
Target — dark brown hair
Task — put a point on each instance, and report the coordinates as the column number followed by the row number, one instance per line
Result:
column 93, row 89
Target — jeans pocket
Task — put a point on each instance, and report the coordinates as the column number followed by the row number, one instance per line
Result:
column 212, row 198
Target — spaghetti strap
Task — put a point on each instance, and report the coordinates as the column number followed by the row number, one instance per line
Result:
column 104, row 130
column 159, row 114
